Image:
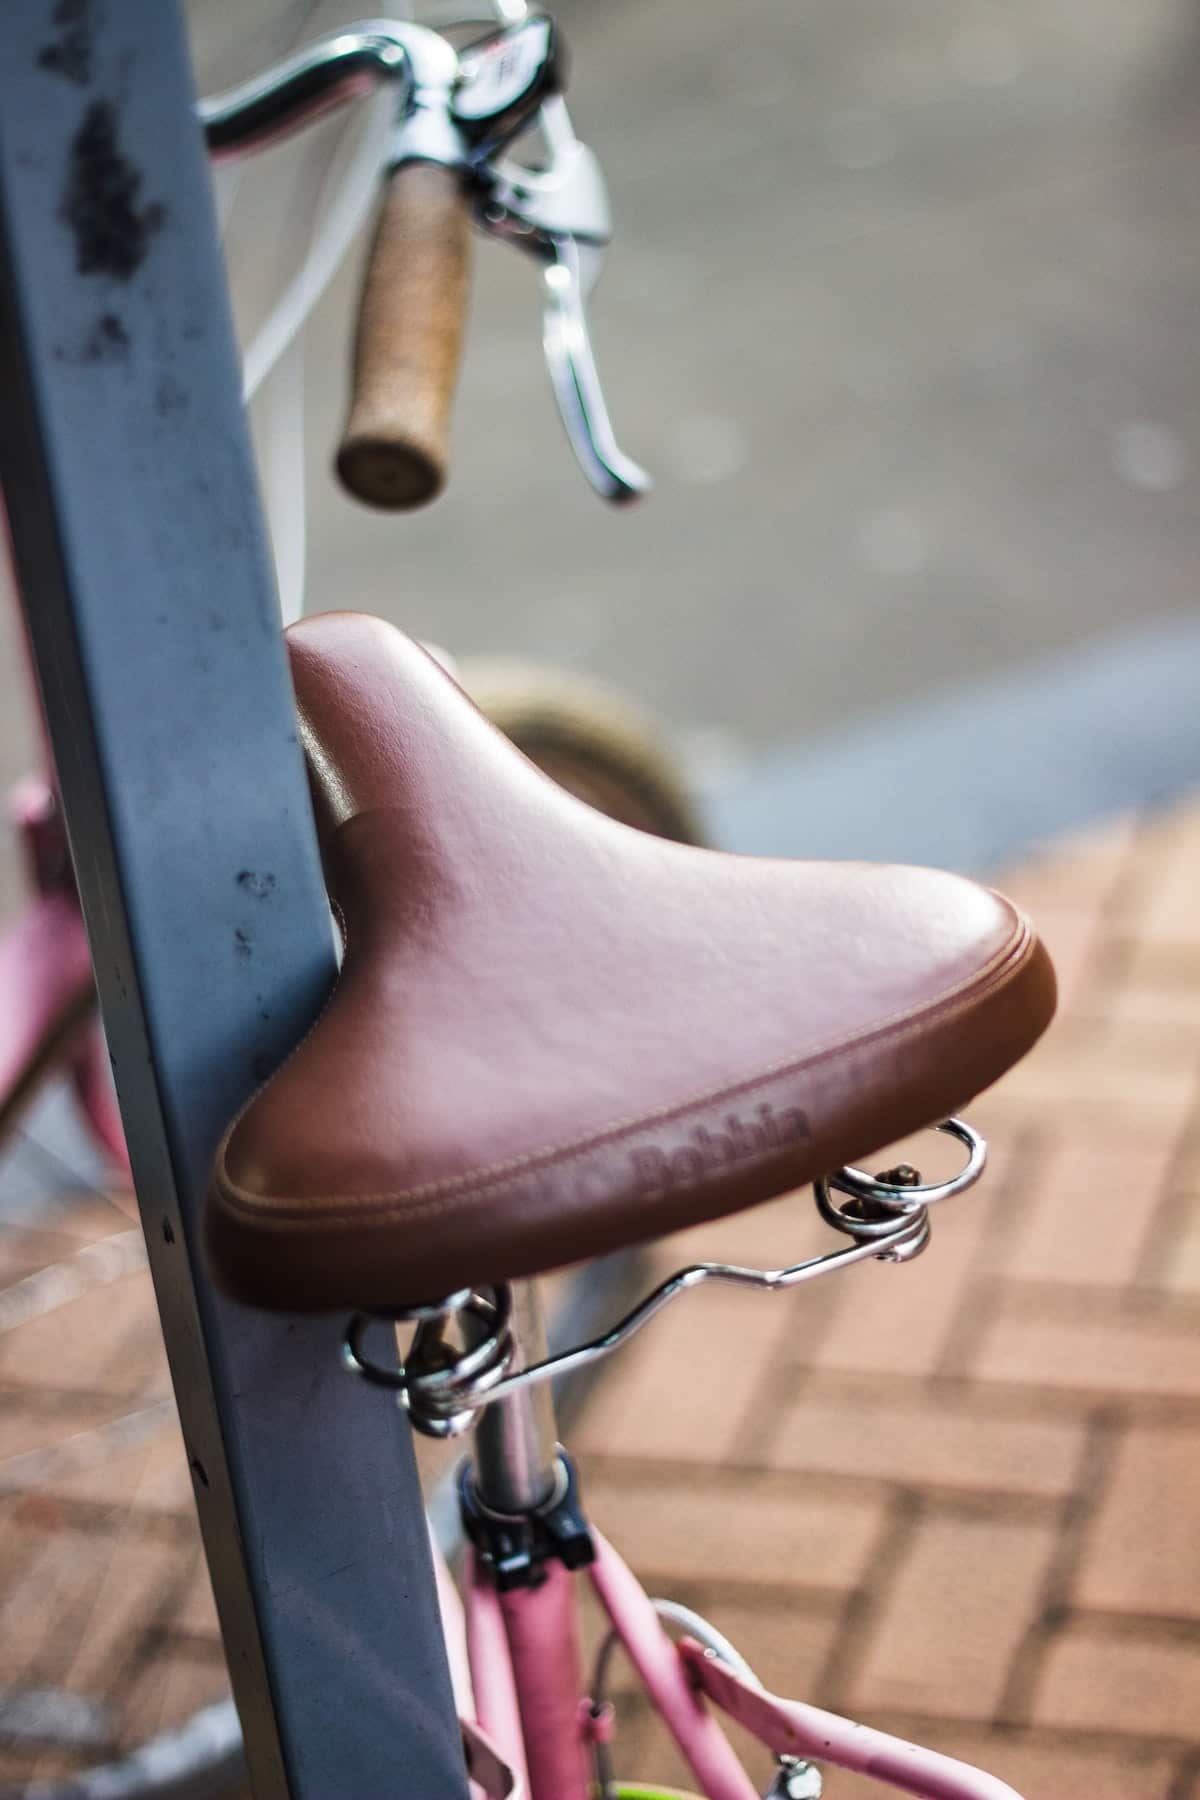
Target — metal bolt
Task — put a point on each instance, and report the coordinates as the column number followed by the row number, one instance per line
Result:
column 903, row 1175
column 795, row 1780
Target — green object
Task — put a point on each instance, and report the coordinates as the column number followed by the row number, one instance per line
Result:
column 623, row 1791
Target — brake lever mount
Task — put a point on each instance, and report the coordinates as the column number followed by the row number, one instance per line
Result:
column 465, row 109
column 558, row 213
column 503, row 80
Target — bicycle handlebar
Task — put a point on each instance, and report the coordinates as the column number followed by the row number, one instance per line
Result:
column 456, row 117
column 394, row 450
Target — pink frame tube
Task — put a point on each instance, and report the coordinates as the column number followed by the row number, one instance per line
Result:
column 666, row 1678
column 454, row 1631
column 47, row 990
column 790, row 1728
column 497, row 1707
column 542, row 1627
column 91, row 1074
column 525, row 1666
column 46, row 984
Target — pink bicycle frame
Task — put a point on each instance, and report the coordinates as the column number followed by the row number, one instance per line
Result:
column 47, row 991
column 528, row 1727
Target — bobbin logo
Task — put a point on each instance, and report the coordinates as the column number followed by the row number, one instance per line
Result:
column 657, row 1171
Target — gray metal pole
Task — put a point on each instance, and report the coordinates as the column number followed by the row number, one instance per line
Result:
column 139, row 548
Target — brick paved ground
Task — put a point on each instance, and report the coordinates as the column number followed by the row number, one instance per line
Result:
column 959, row 1498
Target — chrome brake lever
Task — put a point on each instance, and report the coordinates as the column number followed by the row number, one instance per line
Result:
column 566, row 342
column 560, row 214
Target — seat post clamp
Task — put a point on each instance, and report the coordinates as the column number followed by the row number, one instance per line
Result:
column 514, row 1547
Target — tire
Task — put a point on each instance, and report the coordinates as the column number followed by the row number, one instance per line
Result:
column 591, row 740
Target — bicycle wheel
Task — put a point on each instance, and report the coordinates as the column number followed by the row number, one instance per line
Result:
column 591, row 740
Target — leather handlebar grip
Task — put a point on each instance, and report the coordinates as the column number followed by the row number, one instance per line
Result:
column 394, row 451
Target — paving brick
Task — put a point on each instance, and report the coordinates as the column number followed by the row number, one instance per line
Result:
column 76, row 1218
column 682, row 1531
column 1185, row 1177
column 140, row 1571
column 93, row 1215
column 1180, row 1268
column 1089, row 1209
column 108, row 1341
column 28, row 1423
column 1142, row 1551
column 47, row 1290
column 175, row 1683
column 113, row 1481
column 1156, row 995
column 898, row 1318
column 1092, row 1354
column 1165, row 906
column 951, row 1618
column 1152, row 964
column 1144, row 1685
column 166, row 1483
column 196, row 1613
column 1155, row 839
column 952, row 1444
column 123, row 1609
column 18, row 1766
column 1081, row 869
column 1128, row 1075
column 106, row 1464
column 52, row 1577
column 683, row 1388
column 23, row 1250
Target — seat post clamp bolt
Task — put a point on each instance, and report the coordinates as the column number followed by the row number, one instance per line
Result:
column 515, row 1546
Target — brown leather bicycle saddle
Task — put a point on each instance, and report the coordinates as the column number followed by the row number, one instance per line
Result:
column 554, row 1035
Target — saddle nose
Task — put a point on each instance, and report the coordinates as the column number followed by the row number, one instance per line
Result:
column 554, row 1035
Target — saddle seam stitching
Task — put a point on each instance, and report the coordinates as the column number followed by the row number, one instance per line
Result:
column 427, row 1198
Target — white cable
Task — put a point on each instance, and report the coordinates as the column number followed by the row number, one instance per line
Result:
column 283, row 476
column 226, row 180
column 343, row 202
column 355, row 177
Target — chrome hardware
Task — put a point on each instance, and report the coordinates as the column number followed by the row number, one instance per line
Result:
column 503, row 81
column 560, row 215
column 443, row 1387
column 516, row 1444
column 462, row 111
column 895, row 1206
column 796, row 1780
column 324, row 75
column 886, row 1216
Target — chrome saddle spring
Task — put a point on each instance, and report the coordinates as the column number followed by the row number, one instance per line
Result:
column 443, row 1385
column 876, row 1206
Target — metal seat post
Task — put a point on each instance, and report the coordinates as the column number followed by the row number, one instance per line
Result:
column 516, row 1462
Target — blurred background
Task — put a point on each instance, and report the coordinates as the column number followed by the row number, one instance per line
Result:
column 902, row 314
column 899, row 314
